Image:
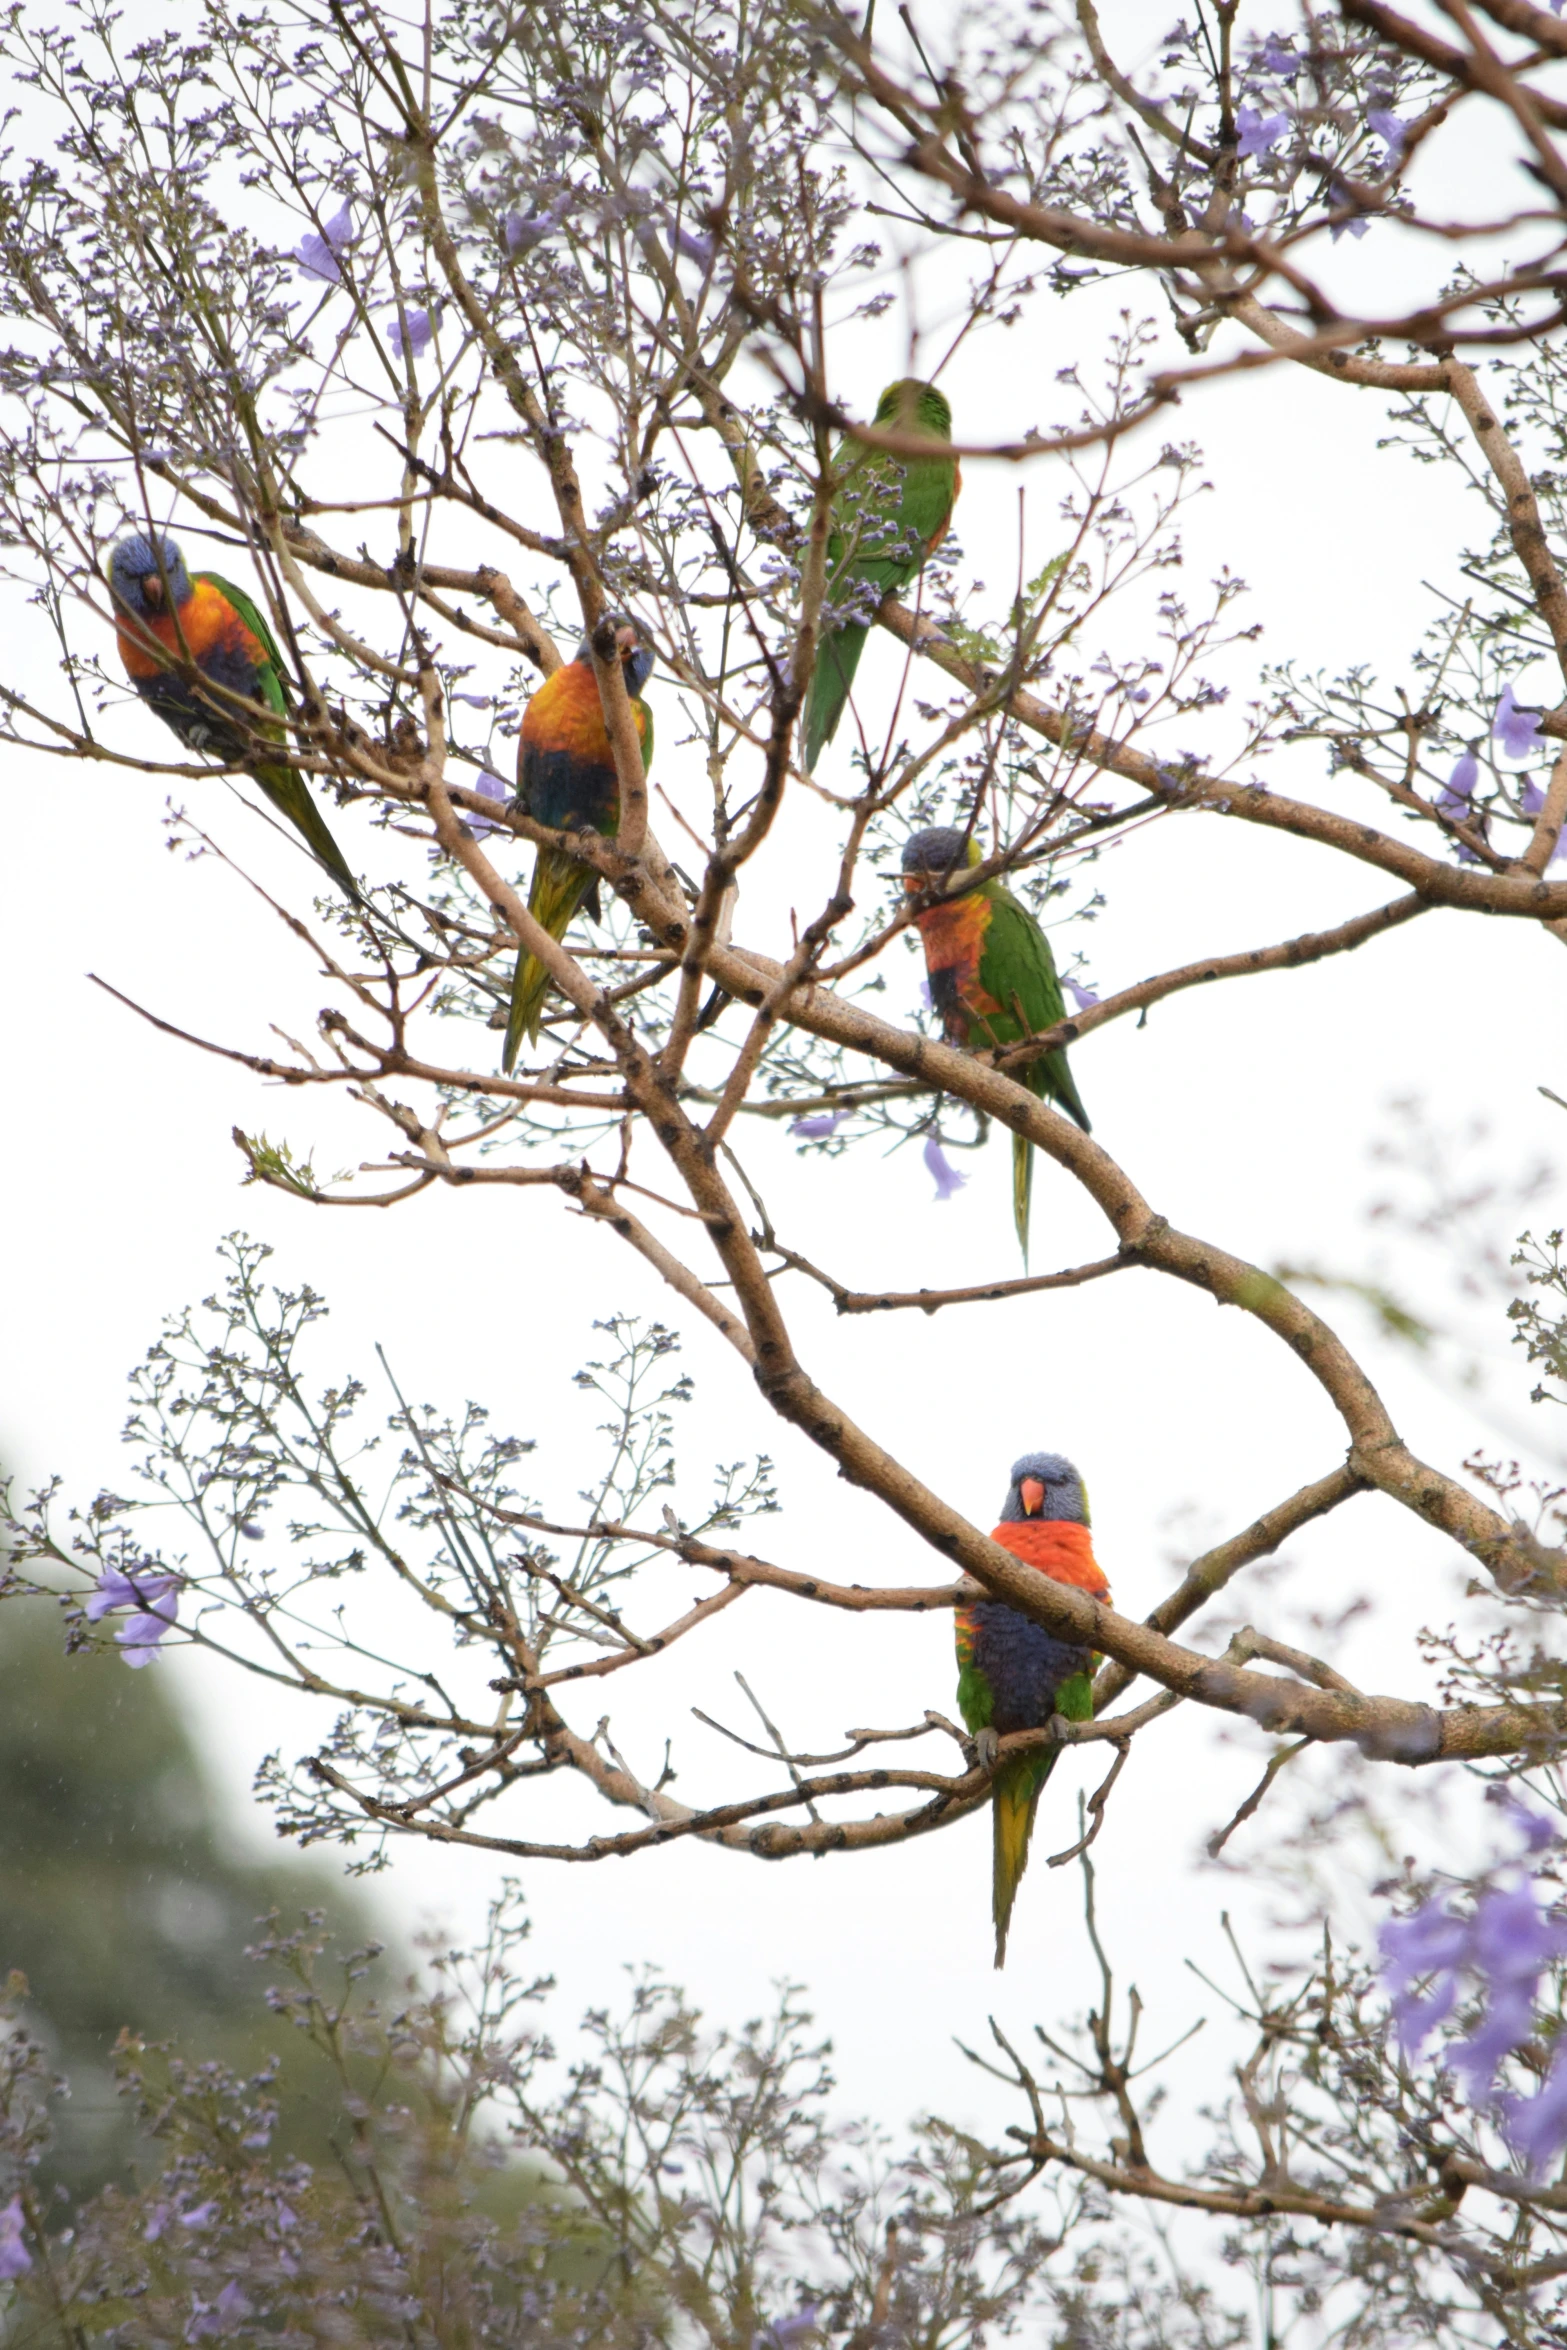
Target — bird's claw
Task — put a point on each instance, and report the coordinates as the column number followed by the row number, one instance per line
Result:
column 987, row 1746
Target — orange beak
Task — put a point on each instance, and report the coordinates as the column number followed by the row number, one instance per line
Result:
column 1032, row 1495
column 625, row 642
column 152, row 590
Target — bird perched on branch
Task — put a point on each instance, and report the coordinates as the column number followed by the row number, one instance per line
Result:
column 888, row 518
column 1012, row 1673
column 566, row 778
column 172, row 623
column 992, row 980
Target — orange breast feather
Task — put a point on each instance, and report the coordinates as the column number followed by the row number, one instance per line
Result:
column 567, row 715
column 954, row 939
column 1058, row 1548
column 206, row 622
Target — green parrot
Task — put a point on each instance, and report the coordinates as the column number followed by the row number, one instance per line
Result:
column 889, row 517
column 992, row 980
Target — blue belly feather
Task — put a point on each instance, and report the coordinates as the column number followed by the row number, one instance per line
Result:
column 1024, row 1664
column 574, row 794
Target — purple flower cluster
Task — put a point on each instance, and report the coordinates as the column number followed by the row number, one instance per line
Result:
column 1505, row 1945
column 154, row 1601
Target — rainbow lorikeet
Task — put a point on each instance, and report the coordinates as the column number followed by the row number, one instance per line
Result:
column 215, row 626
column 992, row 980
column 888, row 518
column 1012, row 1673
column 566, row 777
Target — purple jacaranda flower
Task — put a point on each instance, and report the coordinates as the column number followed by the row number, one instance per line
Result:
column 1536, row 2127
column 138, row 1636
column 1083, row 998
column 786, row 2333
column 1339, row 195
column 200, row 2215
column 523, row 230
column 157, row 2220
column 1518, row 731
column 474, row 701
column 1280, row 58
column 420, row 327
column 1433, row 1941
column 692, row 247
column 490, row 787
column 144, row 1586
column 1387, row 126
column 1536, row 1828
column 1510, row 1945
column 1258, row 132
column 1139, row 694
column 1455, row 801
column 819, row 1125
column 15, row 2259
column 321, row 256
column 945, row 1176
column 1461, row 783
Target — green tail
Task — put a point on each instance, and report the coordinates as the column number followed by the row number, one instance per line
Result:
column 1016, row 1799
column 1051, row 1079
column 290, row 795
column 560, row 883
column 831, row 682
column 1014, row 1803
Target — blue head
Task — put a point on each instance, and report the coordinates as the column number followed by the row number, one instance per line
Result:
column 636, row 658
column 1045, row 1485
column 927, row 856
column 148, row 576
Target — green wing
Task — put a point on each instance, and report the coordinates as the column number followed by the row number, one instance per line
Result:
column 255, row 620
column 284, row 786
column 886, row 517
column 1018, row 970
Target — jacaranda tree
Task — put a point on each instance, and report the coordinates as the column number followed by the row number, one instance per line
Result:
column 408, row 415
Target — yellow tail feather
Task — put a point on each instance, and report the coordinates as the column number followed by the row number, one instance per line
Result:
column 559, row 886
column 1013, row 1805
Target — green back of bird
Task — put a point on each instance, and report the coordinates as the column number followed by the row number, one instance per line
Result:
column 890, row 511
column 1018, row 970
column 891, row 508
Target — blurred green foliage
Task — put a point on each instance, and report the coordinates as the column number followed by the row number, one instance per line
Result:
column 123, row 1901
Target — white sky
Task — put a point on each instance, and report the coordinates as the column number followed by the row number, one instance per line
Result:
column 1244, row 1112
